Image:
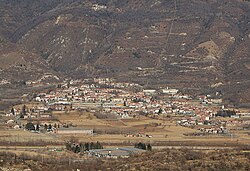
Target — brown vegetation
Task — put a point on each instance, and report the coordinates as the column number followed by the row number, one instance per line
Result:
column 172, row 160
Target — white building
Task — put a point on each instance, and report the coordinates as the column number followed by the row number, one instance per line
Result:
column 149, row 91
column 170, row 91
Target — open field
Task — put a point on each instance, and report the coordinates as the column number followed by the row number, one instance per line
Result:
column 160, row 130
column 125, row 131
column 24, row 136
column 111, row 132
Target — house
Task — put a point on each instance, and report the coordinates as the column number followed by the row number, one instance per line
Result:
column 149, row 91
column 117, row 99
column 170, row 91
column 235, row 116
column 216, row 101
column 45, row 115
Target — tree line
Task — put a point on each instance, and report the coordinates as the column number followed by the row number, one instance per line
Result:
column 82, row 147
column 143, row 146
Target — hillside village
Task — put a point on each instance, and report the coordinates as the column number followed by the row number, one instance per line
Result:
column 109, row 99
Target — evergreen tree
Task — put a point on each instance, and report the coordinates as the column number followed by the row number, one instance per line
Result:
column 45, row 127
column 98, row 145
column 30, row 126
column 12, row 111
column 24, row 110
column 77, row 149
column 50, row 127
column 87, row 148
column 92, row 145
column 149, row 147
column 141, row 146
column 21, row 116
column 37, row 127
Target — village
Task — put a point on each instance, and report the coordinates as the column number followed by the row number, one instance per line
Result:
column 109, row 99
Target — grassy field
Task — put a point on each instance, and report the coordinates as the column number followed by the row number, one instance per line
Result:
column 24, row 136
column 115, row 131
column 124, row 131
column 111, row 133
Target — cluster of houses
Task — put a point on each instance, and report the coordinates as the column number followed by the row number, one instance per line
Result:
column 140, row 134
column 107, row 96
column 208, row 126
column 112, row 97
column 37, row 112
column 215, row 130
column 125, row 100
column 3, row 82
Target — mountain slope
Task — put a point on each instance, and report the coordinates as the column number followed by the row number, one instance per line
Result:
column 196, row 45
